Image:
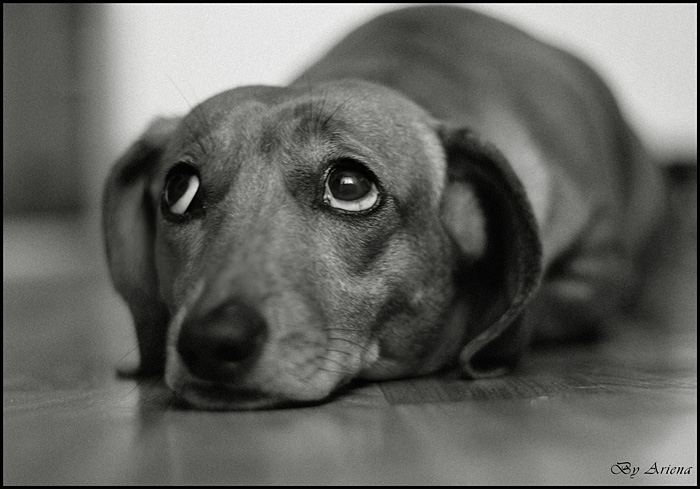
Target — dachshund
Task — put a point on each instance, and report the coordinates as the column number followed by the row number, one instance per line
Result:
column 438, row 191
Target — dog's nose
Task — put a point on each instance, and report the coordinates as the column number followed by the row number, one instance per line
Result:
column 213, row 346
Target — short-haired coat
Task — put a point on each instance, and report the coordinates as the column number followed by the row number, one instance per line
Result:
column 436, row 190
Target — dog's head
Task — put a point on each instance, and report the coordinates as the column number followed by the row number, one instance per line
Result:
column 276, row 243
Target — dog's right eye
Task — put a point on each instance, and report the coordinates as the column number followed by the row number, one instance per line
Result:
column 181, row 191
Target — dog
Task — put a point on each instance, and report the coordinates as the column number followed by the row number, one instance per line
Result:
column 438, row 191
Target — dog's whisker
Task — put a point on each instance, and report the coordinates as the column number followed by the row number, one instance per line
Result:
column 354, row 343
column 342, row 330
column 337, row 371
column 338, row 107
column 345, row 372
column 342, row 352
column 176, row 86
column 131, row 350
column 328, row 359
column 195, row 113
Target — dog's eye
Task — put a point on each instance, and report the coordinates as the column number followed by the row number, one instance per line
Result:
column 181, row 191
column 350, row 188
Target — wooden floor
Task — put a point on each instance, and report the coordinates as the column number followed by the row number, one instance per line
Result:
column 583, row 414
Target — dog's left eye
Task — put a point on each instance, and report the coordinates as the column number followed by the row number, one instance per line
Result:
column 350, row 189
column 181, row 191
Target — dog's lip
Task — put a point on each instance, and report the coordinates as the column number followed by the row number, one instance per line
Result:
column 221, row 396
column 224, row 397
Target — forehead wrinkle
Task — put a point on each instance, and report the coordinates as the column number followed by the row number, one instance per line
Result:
column 299, row 121
column 299, row 131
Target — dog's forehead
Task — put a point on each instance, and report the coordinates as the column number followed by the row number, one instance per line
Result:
column 353, row 97
column 373, row 115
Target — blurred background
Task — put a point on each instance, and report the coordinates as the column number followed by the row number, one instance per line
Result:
column 81, row 81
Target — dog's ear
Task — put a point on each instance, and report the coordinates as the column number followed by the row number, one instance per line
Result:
column 128, row 221
column 500, row 250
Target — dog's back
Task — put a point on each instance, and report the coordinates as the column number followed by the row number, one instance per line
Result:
column 593, row 188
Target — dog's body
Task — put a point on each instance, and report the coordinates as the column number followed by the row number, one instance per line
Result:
column 276, row 243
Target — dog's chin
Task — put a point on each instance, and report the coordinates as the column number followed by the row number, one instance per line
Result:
column 193, row 393
column 218, row 397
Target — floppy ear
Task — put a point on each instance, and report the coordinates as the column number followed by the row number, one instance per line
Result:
column 501, row 274
column 128, row 222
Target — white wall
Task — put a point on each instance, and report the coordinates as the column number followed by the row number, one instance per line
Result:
column 166, row 58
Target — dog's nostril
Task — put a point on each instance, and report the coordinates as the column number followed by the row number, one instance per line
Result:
column 231, row 352
column 214, row 345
